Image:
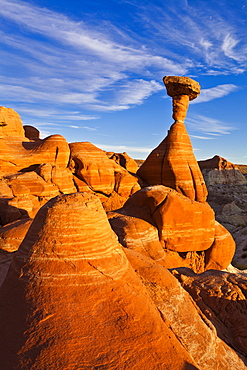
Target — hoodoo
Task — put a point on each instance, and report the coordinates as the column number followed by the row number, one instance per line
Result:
column 173, row 163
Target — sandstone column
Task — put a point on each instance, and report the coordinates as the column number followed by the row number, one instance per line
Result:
column 173, row 163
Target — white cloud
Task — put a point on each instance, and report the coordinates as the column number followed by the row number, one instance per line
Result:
column 208, row 125
column 215, row 93
column 228, row 45
column 124, row 148
column 202, row 137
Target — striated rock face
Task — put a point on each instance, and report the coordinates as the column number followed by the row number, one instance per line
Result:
column 227, row 195
column 101, row 174
column 124, row 160
column 11, row 235
column 72, row 301
column 218, row 170
column 222, row 298
column 218, row 163
column 10, row 124
column 158, row 218
column 194, row 328
column 19, row 155
column 173, row 163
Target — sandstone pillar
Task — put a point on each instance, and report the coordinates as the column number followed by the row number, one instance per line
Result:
column 173, row 163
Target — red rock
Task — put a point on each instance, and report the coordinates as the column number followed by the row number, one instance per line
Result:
column 31, row 183
column 139, row 235
column 220, row 254
column 173, row 230
column 32, row 133
column 196, row 333
column 10, row 123
column 18, row 154
column 217, row 162
column 72, row 301
column 221, row 296
column 11, row 235
column 173, row 163
column 183, row 224
column 101, row 174
column 124, row 160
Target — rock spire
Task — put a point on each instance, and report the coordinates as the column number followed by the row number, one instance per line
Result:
column 173, row 163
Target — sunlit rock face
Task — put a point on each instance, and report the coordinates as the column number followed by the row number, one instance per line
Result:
column 72, row 300
column 218, row 171
column 173, row 230
column 101, row 175
column 173, row 163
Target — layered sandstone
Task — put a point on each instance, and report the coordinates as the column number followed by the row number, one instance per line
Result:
column 71, row 300
column 218, row 170
column 173, row 163
column 221, row 296
column 10, row 124
column 172, row 229
column 192, row 326
column 112, row 182
column 124, row 160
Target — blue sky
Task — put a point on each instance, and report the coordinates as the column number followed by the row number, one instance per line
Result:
column 92, row 70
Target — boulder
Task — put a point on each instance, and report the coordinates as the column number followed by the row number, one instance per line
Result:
column 158, row 217
column 11, row 235
column 71, row 299
column 21, row 155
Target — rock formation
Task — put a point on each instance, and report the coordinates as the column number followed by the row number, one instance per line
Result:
column 79, row 296
column 173, row 230
column 227, row 195
column 101, row 175
column 222, row 298
column 191, row 324
column 124, row 160
column 218, row 170
column 32, row 133
column 173, row 163
column 71, row 300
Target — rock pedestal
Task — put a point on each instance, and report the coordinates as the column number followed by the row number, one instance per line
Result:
column 173, row 163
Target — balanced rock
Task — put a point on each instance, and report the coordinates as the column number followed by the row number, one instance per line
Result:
column 71, row 300
column 173, row 163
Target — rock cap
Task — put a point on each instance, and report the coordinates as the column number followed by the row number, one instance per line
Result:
column 177, row 85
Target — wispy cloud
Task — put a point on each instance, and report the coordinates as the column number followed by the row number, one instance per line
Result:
column 215, row 93
column 124, row 148
column 211, row 126
column 202, row 137
column 83, row 127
